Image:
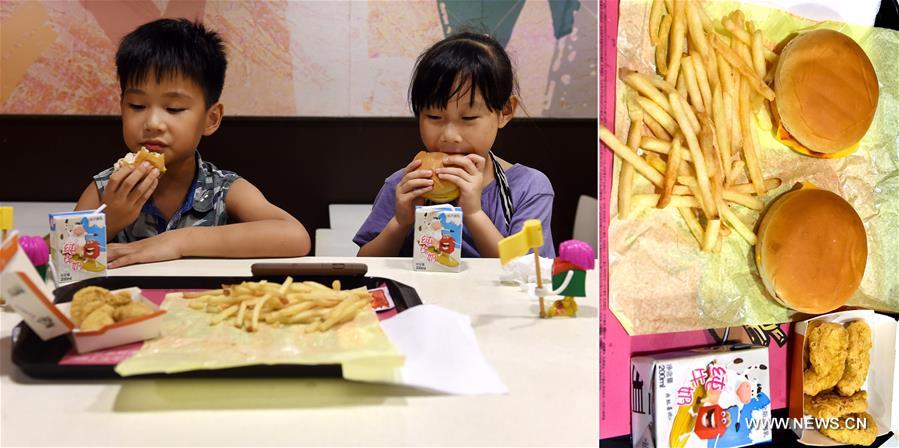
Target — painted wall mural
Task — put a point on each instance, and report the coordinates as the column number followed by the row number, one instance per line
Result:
column 297, row 58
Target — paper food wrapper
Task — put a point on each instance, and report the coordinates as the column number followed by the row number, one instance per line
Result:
column 659, row 280
column 189, row 342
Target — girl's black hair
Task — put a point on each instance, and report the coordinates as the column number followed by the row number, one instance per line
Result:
column 462, row 60
column 172, row 47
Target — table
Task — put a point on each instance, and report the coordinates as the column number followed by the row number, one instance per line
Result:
column 550, row 366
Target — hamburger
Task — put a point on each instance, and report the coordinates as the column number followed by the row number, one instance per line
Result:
column 811, row 250
column 825, row 94
column 133, row 159
column 443, row 191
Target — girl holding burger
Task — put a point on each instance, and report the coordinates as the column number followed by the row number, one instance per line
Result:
column 463, row 92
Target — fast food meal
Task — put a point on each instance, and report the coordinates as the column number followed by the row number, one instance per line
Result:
column 250, row 304
column 858, row 359
column 811, row 251
column 156, row 159
column 828, row 404
column 700, row 113
column 443, row 191
column 850, row 431
column 820, row 111
column 838, row 357
column 94, row 307
column 827, row 350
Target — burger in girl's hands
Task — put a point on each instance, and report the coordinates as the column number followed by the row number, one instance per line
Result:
column 443, row 191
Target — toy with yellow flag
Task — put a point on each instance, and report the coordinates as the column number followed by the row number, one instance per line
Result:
column 6, row 222
column 529, row 237
column 568, row 272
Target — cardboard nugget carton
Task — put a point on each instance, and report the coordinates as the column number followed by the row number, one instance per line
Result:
column 29, row 296
column 78, row 245
column 438, row 238
column 883, row 404
column 714, row 396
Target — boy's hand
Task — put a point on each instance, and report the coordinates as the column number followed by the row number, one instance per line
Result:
column 467, row 172
column 408, row 192
column 127, row 191
column 162, row 247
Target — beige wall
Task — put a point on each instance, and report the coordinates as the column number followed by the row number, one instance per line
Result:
column 297, row 58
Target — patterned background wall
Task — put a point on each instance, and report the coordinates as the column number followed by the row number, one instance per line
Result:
column 297, row 58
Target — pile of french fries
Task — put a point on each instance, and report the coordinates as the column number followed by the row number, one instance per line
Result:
column 313, row 304
column 691, row 124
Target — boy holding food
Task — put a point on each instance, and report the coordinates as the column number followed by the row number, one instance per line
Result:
column 171, row 74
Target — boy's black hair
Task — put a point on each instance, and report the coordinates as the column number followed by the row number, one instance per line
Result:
column 173, row 47
column 474, row 60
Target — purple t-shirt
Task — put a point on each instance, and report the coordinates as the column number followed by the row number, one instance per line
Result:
column 532, row 198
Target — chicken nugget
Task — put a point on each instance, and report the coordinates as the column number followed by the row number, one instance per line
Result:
column 132, row 310
column 805, row 357
column 99, row 318
column 120, row 298
column 86, row 300
column 827, row 350
column 850, row 432
column 858, row 359
column 831, row 405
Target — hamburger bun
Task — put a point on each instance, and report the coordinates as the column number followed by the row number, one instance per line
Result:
column 811, row 251
column 826, row 93
column 134, row 159
column 443, row 191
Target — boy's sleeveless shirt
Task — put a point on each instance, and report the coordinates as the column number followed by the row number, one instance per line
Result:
column 204, row 204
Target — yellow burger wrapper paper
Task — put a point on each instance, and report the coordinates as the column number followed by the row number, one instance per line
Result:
column 188, row 342
column 660, row 281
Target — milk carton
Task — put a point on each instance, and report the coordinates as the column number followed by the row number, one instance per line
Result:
column 78, row 245
column 438, row 238
column 716, row 396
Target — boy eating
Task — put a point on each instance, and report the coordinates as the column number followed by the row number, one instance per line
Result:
column 171, row 74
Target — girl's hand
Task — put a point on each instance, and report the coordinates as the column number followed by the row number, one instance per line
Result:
column 467, row 172
column 125, row 194
column 162, row 247
column 408, row 192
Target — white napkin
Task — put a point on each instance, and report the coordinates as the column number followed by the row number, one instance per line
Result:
column 441, row 353
column 520, row 271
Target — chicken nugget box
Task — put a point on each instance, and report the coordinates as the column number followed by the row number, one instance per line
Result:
column 78, row 245
column 879, row 382
column 28, row 294
column 438, row 238
column 715, row 396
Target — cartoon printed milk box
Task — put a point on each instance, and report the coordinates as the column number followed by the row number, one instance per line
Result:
column 709, row 397
column 438, row 238
column 78, row 245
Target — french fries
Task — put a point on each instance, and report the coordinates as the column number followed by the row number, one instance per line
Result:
column 662, row 46
column 696, row 138
column 626, row 177
column 689, row 70
column 655, row 20
column 676, row 42
column 249, row 304
column 674, row 161
column 736, row 61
